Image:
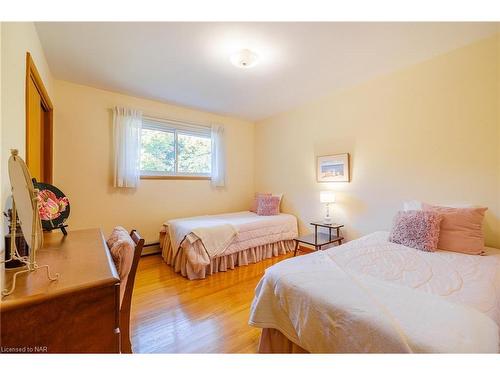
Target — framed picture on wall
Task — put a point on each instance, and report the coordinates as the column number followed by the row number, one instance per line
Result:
column 333, row 168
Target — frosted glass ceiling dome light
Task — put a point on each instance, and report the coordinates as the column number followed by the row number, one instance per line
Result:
column 244, row 59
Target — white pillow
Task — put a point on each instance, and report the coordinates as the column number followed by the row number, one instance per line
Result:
column 459, row 205
column 417, row 205
column 412, row 206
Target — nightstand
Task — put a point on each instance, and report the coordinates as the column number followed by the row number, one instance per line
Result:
column 320, row 239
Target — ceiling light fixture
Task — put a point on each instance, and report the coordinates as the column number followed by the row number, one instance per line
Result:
column 244, row 59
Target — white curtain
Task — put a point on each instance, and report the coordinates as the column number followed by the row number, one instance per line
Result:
column 127, row 125
column 218, row 156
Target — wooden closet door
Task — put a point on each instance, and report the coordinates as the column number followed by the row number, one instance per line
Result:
column 35, row 133
column 39, row 118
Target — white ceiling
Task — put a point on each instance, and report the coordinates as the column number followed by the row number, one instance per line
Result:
column 188, row 63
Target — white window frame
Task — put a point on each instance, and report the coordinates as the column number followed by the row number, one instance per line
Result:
column 175, row 127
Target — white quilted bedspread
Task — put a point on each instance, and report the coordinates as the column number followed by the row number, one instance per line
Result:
column 370, row 295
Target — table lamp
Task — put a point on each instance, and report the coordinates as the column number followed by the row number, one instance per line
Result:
column 327, row 197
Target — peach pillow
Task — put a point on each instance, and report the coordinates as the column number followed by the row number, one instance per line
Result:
column 461, row 228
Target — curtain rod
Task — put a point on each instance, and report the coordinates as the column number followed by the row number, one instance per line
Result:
column 192, row 123
column 197, row 124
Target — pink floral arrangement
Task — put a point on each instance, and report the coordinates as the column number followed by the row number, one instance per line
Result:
column 51, row 207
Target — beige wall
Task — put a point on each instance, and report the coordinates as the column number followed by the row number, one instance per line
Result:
column 17, row 38
column 82, row 168
column 429, row 132
column 498, row 110
column 2, row 229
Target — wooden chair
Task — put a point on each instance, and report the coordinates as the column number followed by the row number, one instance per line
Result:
column 125, row 344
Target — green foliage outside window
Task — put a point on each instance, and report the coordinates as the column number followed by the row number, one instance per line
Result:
column 158, row 153
column 194, row 154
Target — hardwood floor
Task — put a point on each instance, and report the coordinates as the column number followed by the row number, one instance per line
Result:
column 171, row 314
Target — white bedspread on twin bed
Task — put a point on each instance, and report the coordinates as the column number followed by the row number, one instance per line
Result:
column 370, row 295
column 251, row 229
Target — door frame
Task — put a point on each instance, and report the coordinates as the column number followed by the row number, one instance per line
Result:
column 47, row 129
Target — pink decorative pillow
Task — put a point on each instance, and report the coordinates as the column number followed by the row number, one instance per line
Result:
column 253, row 208
column 461, row 228
column 416, row 229
column 122, row 249
column 268, row 205
column 118, row 233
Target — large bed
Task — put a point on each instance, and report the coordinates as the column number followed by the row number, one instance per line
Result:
column 372, row 295
column 253, row 239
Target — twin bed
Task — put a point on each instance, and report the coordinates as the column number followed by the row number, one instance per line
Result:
column 368, row 295
column 229, row 240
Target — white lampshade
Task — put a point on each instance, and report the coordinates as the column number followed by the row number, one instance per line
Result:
column 327, row 197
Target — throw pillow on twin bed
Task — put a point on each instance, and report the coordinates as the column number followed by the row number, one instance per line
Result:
column 253, row 207
column 268, row 205
column 255, row 202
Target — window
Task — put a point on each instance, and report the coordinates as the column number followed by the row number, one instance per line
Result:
column 175, row 149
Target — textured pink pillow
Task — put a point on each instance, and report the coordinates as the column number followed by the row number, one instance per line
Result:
column 416, row 229
column 268, row 205
column 122, row 249
column 461, row 228
column 118, row 233
column 253, row 208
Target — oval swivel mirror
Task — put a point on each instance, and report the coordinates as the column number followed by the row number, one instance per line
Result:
column 24, row 205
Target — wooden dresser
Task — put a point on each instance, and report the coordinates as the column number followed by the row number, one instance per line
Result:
column 78, row 313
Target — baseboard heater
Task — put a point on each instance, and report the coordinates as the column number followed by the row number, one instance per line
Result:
column 151, row 248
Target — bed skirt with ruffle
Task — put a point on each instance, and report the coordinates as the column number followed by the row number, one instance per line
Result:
column 181, row 264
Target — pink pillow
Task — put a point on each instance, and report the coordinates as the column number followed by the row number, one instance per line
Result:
column 461, row 228
column 122, row 249
column 268, row 205
column 416, row 229
column 253, row 207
